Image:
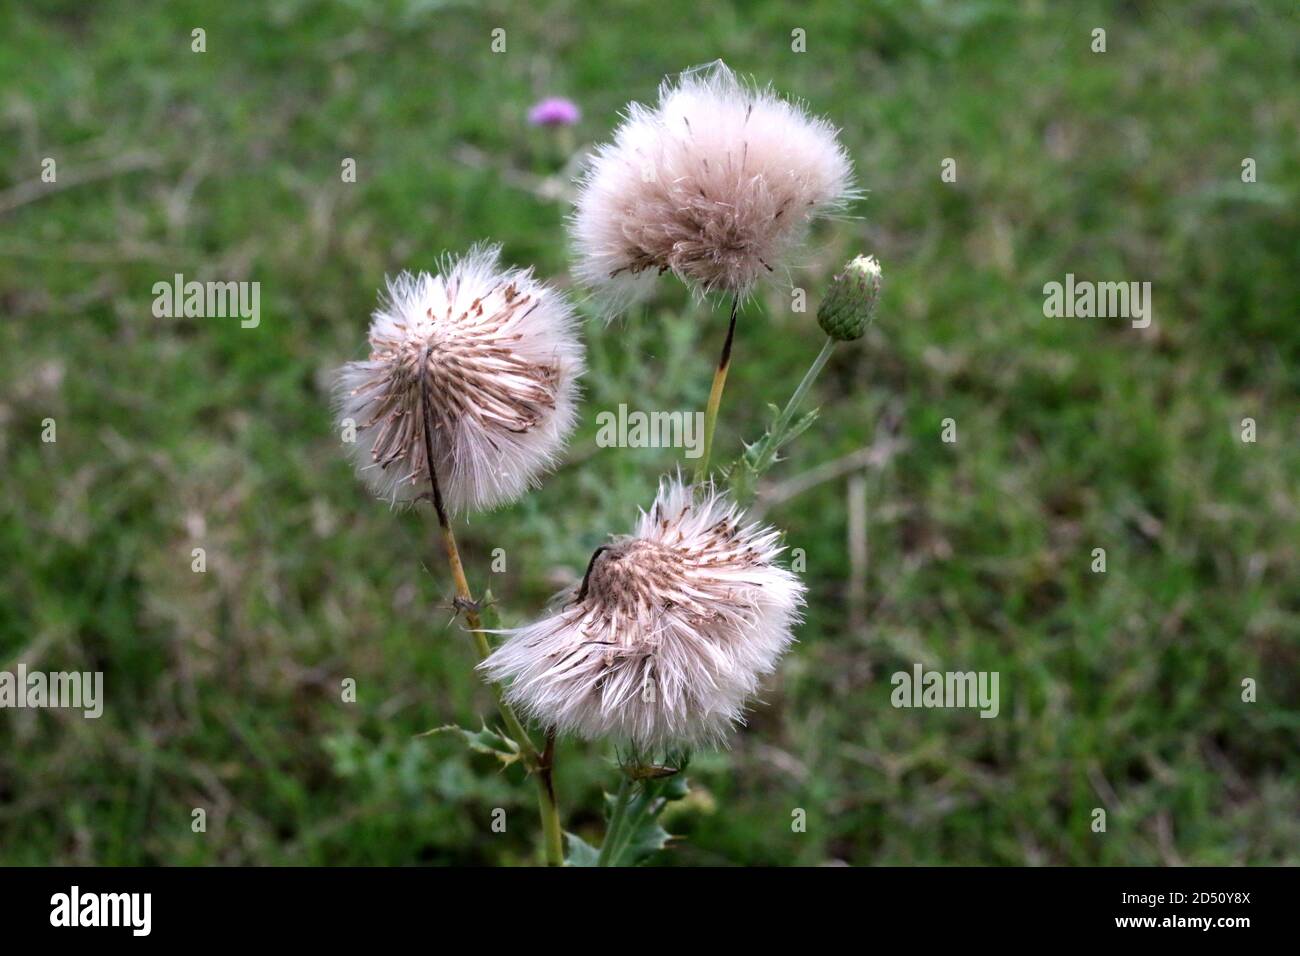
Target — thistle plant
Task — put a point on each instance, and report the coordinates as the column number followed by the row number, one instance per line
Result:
column 717, row 184
column 469, row 394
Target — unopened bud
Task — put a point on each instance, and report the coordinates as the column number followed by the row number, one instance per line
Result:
column 850, row 302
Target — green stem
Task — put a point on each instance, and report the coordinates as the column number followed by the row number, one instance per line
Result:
column 809, row 377
column 552, row 832
column 607, row 855
column 766, row 452
column 715, row 394
column 539, row 767
column 640, row 805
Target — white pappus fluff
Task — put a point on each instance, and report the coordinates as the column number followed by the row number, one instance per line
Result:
column 669, row 634
column 490, row 356
column 717, row 183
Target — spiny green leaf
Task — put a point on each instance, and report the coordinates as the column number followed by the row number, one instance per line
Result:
column 644, row 835
column 484, row 741
column 581, row 853
column 644, row 840
column 801, row 426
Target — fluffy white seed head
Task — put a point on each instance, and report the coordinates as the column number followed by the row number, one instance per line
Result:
column 667, row 637
column 717, row 184
column 490, row 356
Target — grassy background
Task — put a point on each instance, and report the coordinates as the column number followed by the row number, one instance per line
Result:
column 1119, row 690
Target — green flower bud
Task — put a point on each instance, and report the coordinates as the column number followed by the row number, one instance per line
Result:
column 850, row 302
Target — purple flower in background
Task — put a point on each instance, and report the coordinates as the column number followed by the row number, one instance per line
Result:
column 554, row 111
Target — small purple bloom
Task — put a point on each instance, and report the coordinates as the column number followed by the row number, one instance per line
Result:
column 555, row 111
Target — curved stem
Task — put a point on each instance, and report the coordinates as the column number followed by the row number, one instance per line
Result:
column 715, row 394
column 538, row 766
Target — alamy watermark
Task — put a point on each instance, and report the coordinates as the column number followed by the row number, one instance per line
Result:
column 208, row 300
column 637, row 429
column 922, row 688
column 1102, row 300
column 133, row 911
column 72, row 690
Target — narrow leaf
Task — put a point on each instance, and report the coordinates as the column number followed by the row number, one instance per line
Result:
column 484, row 741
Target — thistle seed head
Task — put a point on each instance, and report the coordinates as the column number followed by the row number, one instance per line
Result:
column 717, row 184
column 488, row 358
column 669, row 634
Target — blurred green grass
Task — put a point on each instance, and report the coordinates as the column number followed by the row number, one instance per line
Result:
column 1119, row 690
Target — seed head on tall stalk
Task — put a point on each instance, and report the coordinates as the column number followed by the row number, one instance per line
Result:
column 466, row 398
column 717, row 184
